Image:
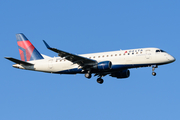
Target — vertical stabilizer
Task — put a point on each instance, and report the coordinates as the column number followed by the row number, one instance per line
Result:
column 27, row 51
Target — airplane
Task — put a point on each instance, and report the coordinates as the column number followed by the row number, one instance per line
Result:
column 113, row 63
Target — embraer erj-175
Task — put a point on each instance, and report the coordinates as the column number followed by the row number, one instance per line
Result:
column 114, row 63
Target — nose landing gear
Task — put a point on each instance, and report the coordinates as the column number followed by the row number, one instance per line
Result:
column 153, row 68
column 153, row 73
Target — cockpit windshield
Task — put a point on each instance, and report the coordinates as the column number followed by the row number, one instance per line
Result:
column 160, row 51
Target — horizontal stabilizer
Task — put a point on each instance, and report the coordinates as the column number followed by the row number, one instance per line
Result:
column 18, row 61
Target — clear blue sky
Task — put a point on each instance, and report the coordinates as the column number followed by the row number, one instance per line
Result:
column 79, row 26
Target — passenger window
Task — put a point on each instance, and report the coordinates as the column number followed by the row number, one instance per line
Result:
column 107, row 55
column 119, row 54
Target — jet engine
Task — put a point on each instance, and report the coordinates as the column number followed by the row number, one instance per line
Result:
column 121, row 74
column 105, row 65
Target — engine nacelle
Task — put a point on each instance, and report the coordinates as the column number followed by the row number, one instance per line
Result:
column 121, row 74
column 105, row 65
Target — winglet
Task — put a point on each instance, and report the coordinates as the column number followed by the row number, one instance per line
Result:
column 46, row 44
column 50, row 48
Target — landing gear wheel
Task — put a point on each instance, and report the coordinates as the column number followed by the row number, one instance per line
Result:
column 153, row 68
column 100, row 81
column 153, row 73
column 88, row 75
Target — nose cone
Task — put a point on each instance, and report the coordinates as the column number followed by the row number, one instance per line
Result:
column 171, row 58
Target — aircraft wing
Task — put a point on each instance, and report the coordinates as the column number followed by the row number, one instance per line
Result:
column 75, row 59
column 18, row 61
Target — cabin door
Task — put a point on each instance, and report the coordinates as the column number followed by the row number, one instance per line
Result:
column 50, row 64
column 148, row 53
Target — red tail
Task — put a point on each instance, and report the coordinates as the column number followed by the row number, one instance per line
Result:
column 26, row 49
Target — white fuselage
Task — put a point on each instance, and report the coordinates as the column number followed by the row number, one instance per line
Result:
column 123, row 59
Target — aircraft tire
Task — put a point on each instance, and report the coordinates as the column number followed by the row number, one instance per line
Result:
column 100, row 81
column 88, row 75
column 153, row 73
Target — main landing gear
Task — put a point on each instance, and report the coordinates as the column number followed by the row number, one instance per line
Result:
column 153, row 68
column 100, row 80
column 88, row 75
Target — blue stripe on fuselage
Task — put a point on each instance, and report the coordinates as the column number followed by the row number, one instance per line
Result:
column 70, row 71
column 114, row 68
